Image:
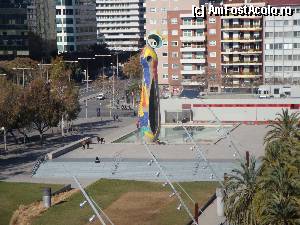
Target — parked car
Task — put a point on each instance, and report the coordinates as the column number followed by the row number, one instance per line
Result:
column 100, row 96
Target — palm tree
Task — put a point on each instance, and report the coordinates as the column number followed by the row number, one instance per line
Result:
column 279, row 210
column 240, row 188
column 285, row 127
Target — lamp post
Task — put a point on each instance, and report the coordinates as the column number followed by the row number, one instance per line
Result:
column 44, row 64
column 4, row 135
column 87, row 71
column 23, row 73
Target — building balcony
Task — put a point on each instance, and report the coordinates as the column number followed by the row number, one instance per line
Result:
column 131, row 30
column 242, row 39
column 238, row 27
column 130, row 24
column 241, row 63
column 193, row 38
column 240, row 17
column 193, row 49
column 233, row 74
column 132, row 12
column 189, row 82
column 192, row 60
column 118, row 2
column 240, row 51
column 192, row 72
column 192, row 27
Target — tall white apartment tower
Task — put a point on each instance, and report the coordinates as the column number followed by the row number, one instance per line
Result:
column 75, row 25
column 157, row 22
column 120, row 24
column 282, row 45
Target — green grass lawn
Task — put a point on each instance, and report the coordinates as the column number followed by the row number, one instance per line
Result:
column 105, row 192
column 14, row 194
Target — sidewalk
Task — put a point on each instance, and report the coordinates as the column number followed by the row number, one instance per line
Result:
column 18, row 165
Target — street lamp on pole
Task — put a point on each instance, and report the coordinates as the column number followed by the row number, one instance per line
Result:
column 87, row 71
column 23, row 73
column 44, row 64
column 4, row 134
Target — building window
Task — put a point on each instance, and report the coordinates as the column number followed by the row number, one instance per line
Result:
column 213, row 65
column 212, row 54
column 212, row 43
column 174, row 32
column 163, row 10
column 174, row 43
column 165, row 43
column 174, row 54
column 152, row 21
column 199, row 21
column 269, row 69
column 187, row 21
column 212, row 20
column 174, row 77
column 164, row 21
column 188, row 67
column 164, row 32
column 199, row 33
column 175, row 66
column 174, row 21
column 165, row 76
column 165, row 65
column 153, row 10
column 187, row 55
column 165, row 54
column 212, row 31
column 187, row 33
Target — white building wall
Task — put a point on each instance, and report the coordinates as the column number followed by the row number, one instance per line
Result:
column 228, row 114
column 282, row 48
column 120, row 24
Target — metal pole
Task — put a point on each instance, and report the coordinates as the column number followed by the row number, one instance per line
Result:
column 89, row 201
column 23, row 78
column 86, row 109
column 113, row 97
column 62, row 125
column 47, row 75
column 5, row 145
column 87, row 78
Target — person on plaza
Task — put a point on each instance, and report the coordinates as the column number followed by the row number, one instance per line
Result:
column 117, row 117
column 83, row 145
column 114, row 117
column 102, row 141
column 88, row 144
column 98, row 139
column 97, row 160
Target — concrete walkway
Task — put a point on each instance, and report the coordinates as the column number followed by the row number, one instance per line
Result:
column 210, row 217
column 17, row 166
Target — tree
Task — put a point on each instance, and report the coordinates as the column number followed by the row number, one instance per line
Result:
column 10, row 107
column 63, row 89
column 43, row 110
column 285, row 126
column 133, row 68
column 240, row 188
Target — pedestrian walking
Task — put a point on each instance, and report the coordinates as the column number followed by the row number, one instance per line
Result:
column 114, row 117
column 97, row 160
column 102, row 141
column 117, row 117
column 98, row 140
column 83, row 145
column 88, row 144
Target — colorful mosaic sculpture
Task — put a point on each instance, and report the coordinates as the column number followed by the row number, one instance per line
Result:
column 149, row 113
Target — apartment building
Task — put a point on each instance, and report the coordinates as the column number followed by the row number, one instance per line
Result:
column 157, row 22
column 13, row 29
column 75, row 25
column 120, row 24
column 186, row 50
column 241, row 49
column 282, row 45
